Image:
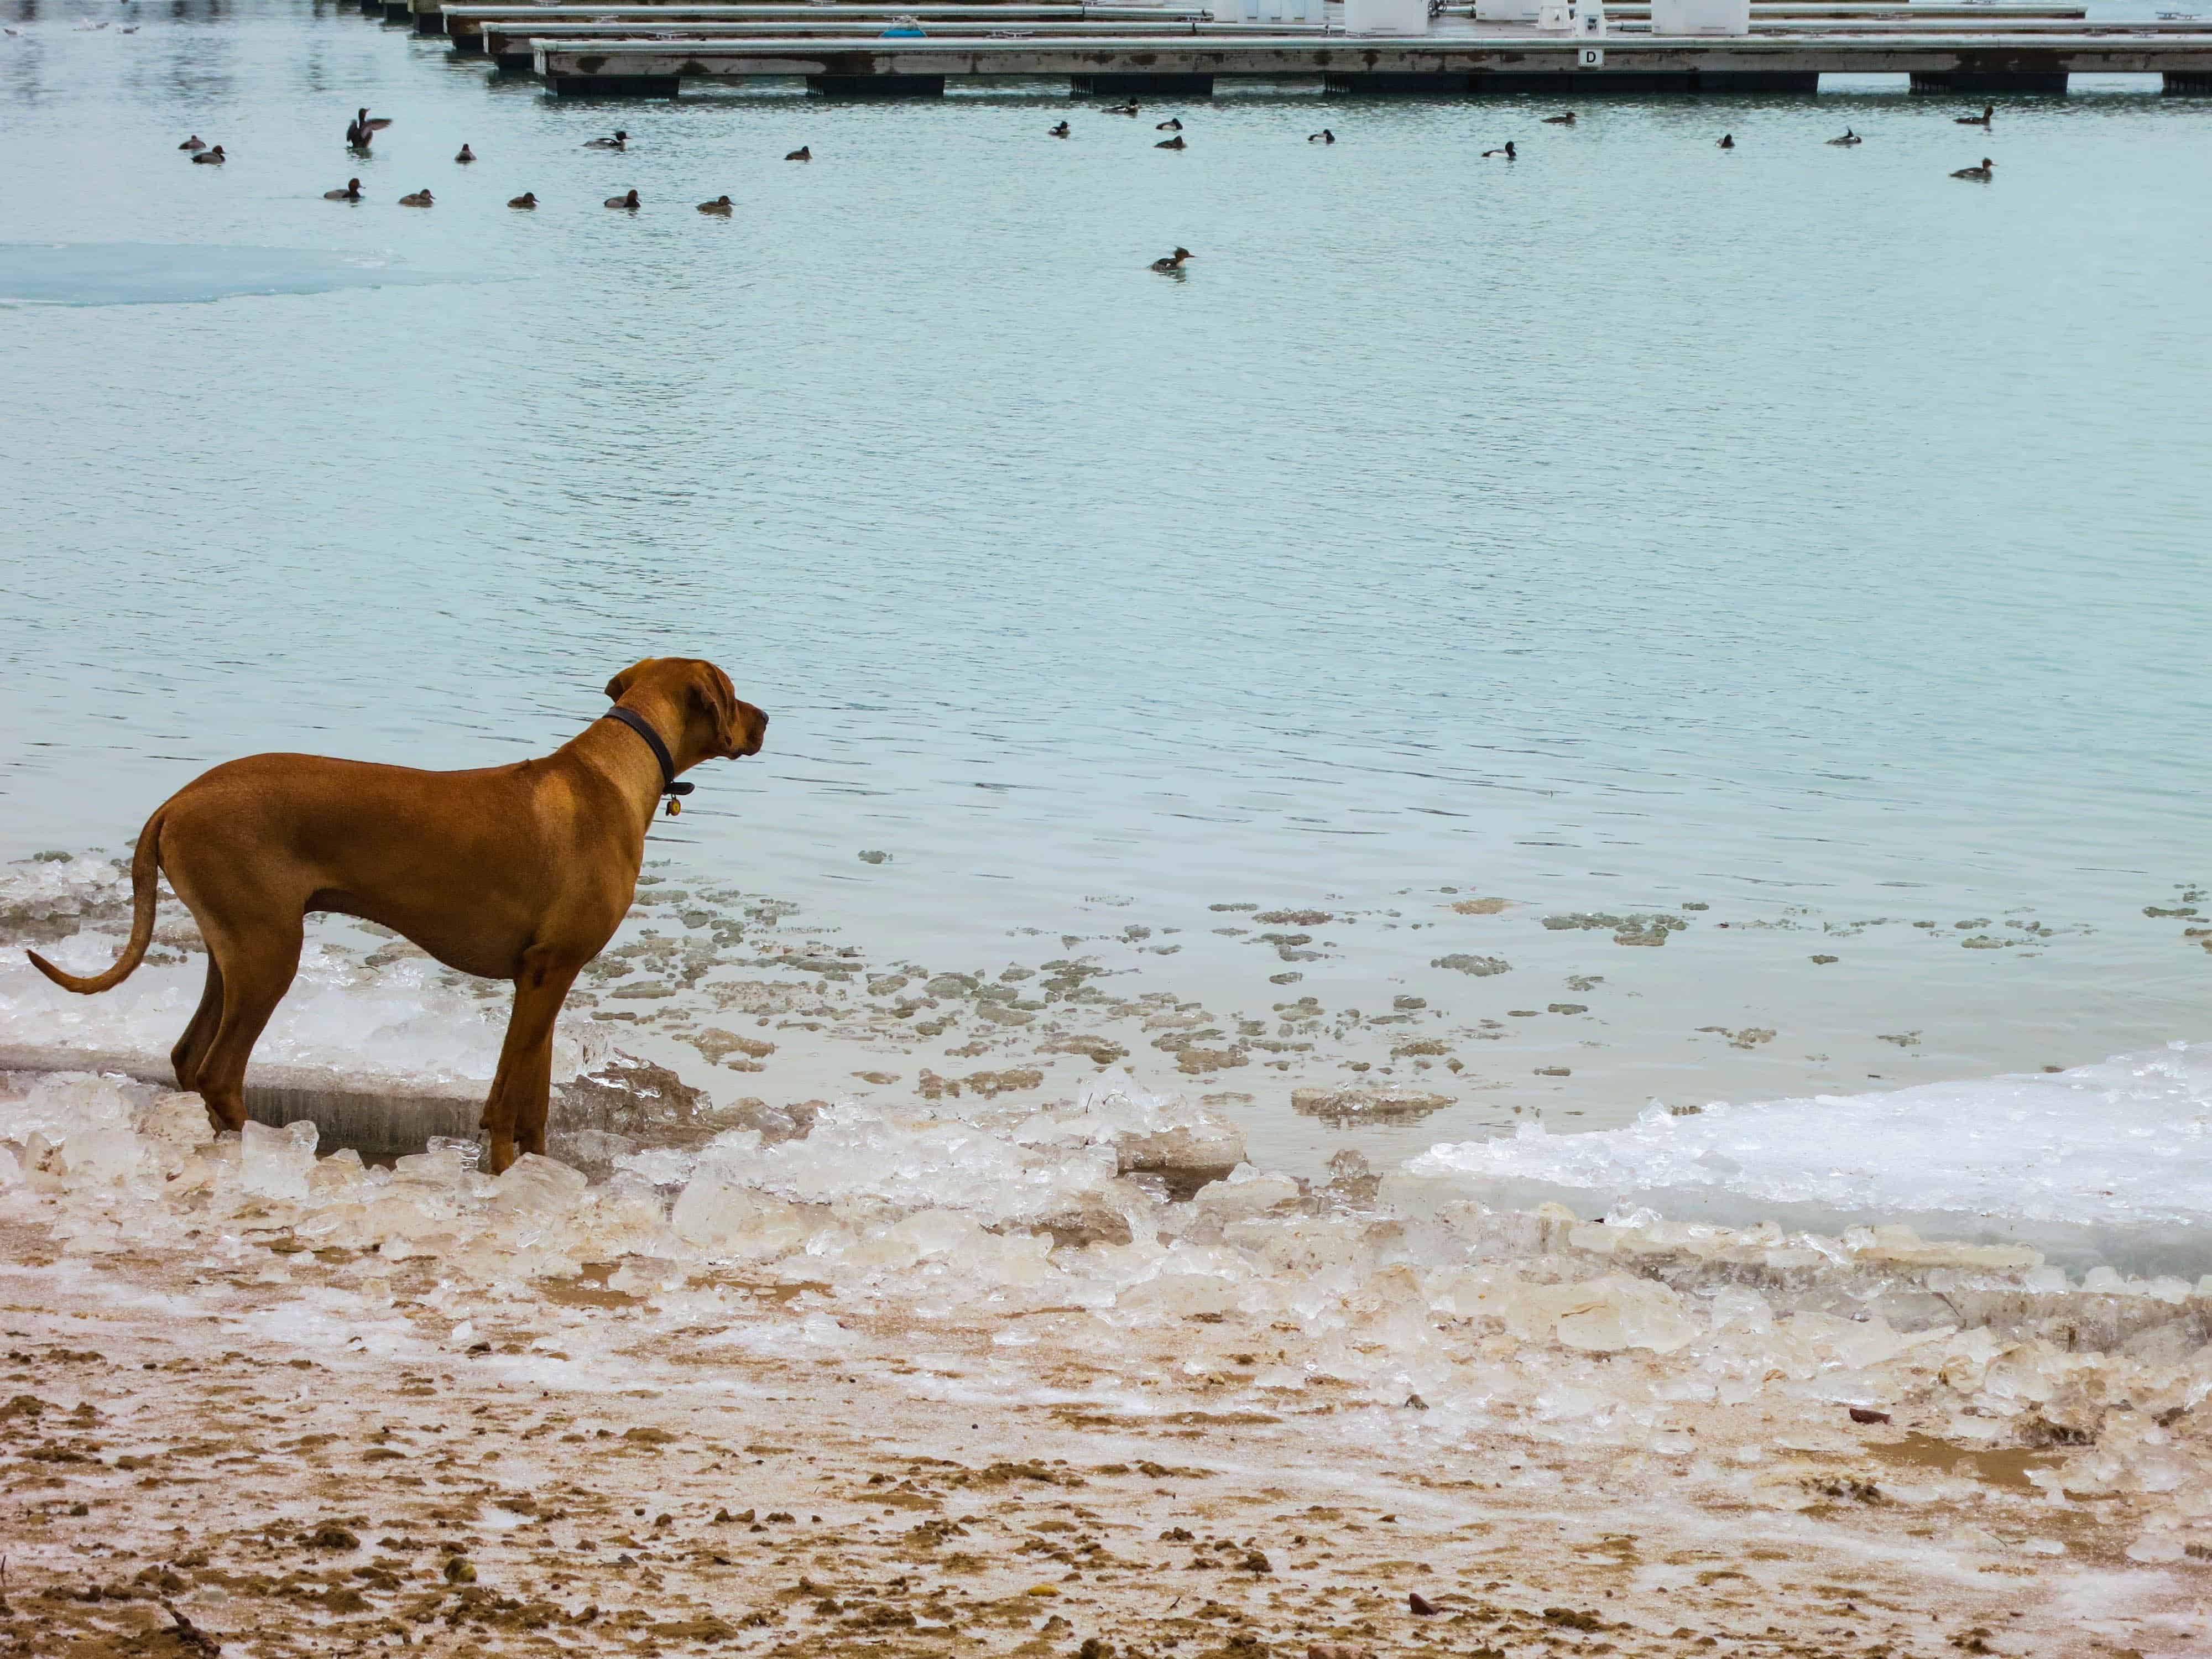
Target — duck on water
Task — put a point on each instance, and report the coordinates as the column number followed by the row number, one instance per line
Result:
column 362, row 130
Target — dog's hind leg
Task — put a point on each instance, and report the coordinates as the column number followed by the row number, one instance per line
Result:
column 515, row 1109
column 191, row 1048
column 257, row 967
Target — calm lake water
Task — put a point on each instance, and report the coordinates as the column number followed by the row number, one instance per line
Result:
column 1794, row 531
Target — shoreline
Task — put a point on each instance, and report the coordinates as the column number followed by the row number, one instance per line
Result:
column 1440, row 1017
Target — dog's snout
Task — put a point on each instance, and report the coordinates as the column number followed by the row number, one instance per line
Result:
column 753, row 728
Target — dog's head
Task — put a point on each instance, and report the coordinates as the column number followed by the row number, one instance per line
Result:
column 718, row 723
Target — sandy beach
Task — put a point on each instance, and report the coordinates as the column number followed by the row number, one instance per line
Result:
column 305, row 1411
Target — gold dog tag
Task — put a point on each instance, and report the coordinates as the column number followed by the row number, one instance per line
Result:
column 674, row 807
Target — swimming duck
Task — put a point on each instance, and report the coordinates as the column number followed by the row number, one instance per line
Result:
column 1981, row 171
column 1171, row 124
column 720, row 205
column 1175, row 143
column 1059, row 131
column 803, row 152
column 1129, row 108
column 420, row 198
column 466, row 155
column 1849, row 137
column 1508, row 152
column 351, row 193
column 526, row 200
column 1728, row 141
column 195, row 143
column 1567, row 120
column 620, row 140
column 627, row 199
column 1985, row 119
column 1324, row 136
column 1173, row 262
column 209, row 158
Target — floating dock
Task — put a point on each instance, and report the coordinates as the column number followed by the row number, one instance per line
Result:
column 465, row 24
column 1955, row 62
column 637, row 50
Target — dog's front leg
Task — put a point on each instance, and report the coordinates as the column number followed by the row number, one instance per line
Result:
column 520, row 1092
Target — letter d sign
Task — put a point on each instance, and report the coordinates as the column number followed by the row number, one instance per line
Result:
column 1590, row 58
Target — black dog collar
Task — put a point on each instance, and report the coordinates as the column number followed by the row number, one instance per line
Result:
column 643, row 727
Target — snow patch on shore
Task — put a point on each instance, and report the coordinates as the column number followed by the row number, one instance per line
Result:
column 2108, row 1162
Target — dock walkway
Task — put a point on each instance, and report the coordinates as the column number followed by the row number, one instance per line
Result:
column 653, row 50
column 1494, row 58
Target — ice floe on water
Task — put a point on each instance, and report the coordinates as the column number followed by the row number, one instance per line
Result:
column 131, row 273
column 2109, row 1162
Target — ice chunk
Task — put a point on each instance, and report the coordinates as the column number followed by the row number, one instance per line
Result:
column 177, row 1120
column 663, row 1166
column 1635, row 1313
column 58, row 1104
column 536, row 1185
column 1145, row 1131
column 719, row 1215
column 1247, row 1192
column 102, row 1156
column 275, row 1162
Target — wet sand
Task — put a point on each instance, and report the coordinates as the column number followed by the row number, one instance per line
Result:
column 201, row 1437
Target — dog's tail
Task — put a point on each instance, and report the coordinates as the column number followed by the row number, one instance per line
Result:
column 145, row 877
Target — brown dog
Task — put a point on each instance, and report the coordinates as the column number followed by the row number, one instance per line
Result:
column 520, row 872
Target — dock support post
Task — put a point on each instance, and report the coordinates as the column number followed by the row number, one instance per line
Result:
column 429, row 19
column 514, row 63
column 399, row 11
column 371, row 9
column 1368, row 83
column 613, row 85
column 466, row 45
column 1118, row 84
column 2196, row 82
column 876, row 86
column 1958, row 82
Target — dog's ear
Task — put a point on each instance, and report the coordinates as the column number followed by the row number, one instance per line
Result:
column 712, row 690
column 623, row 682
